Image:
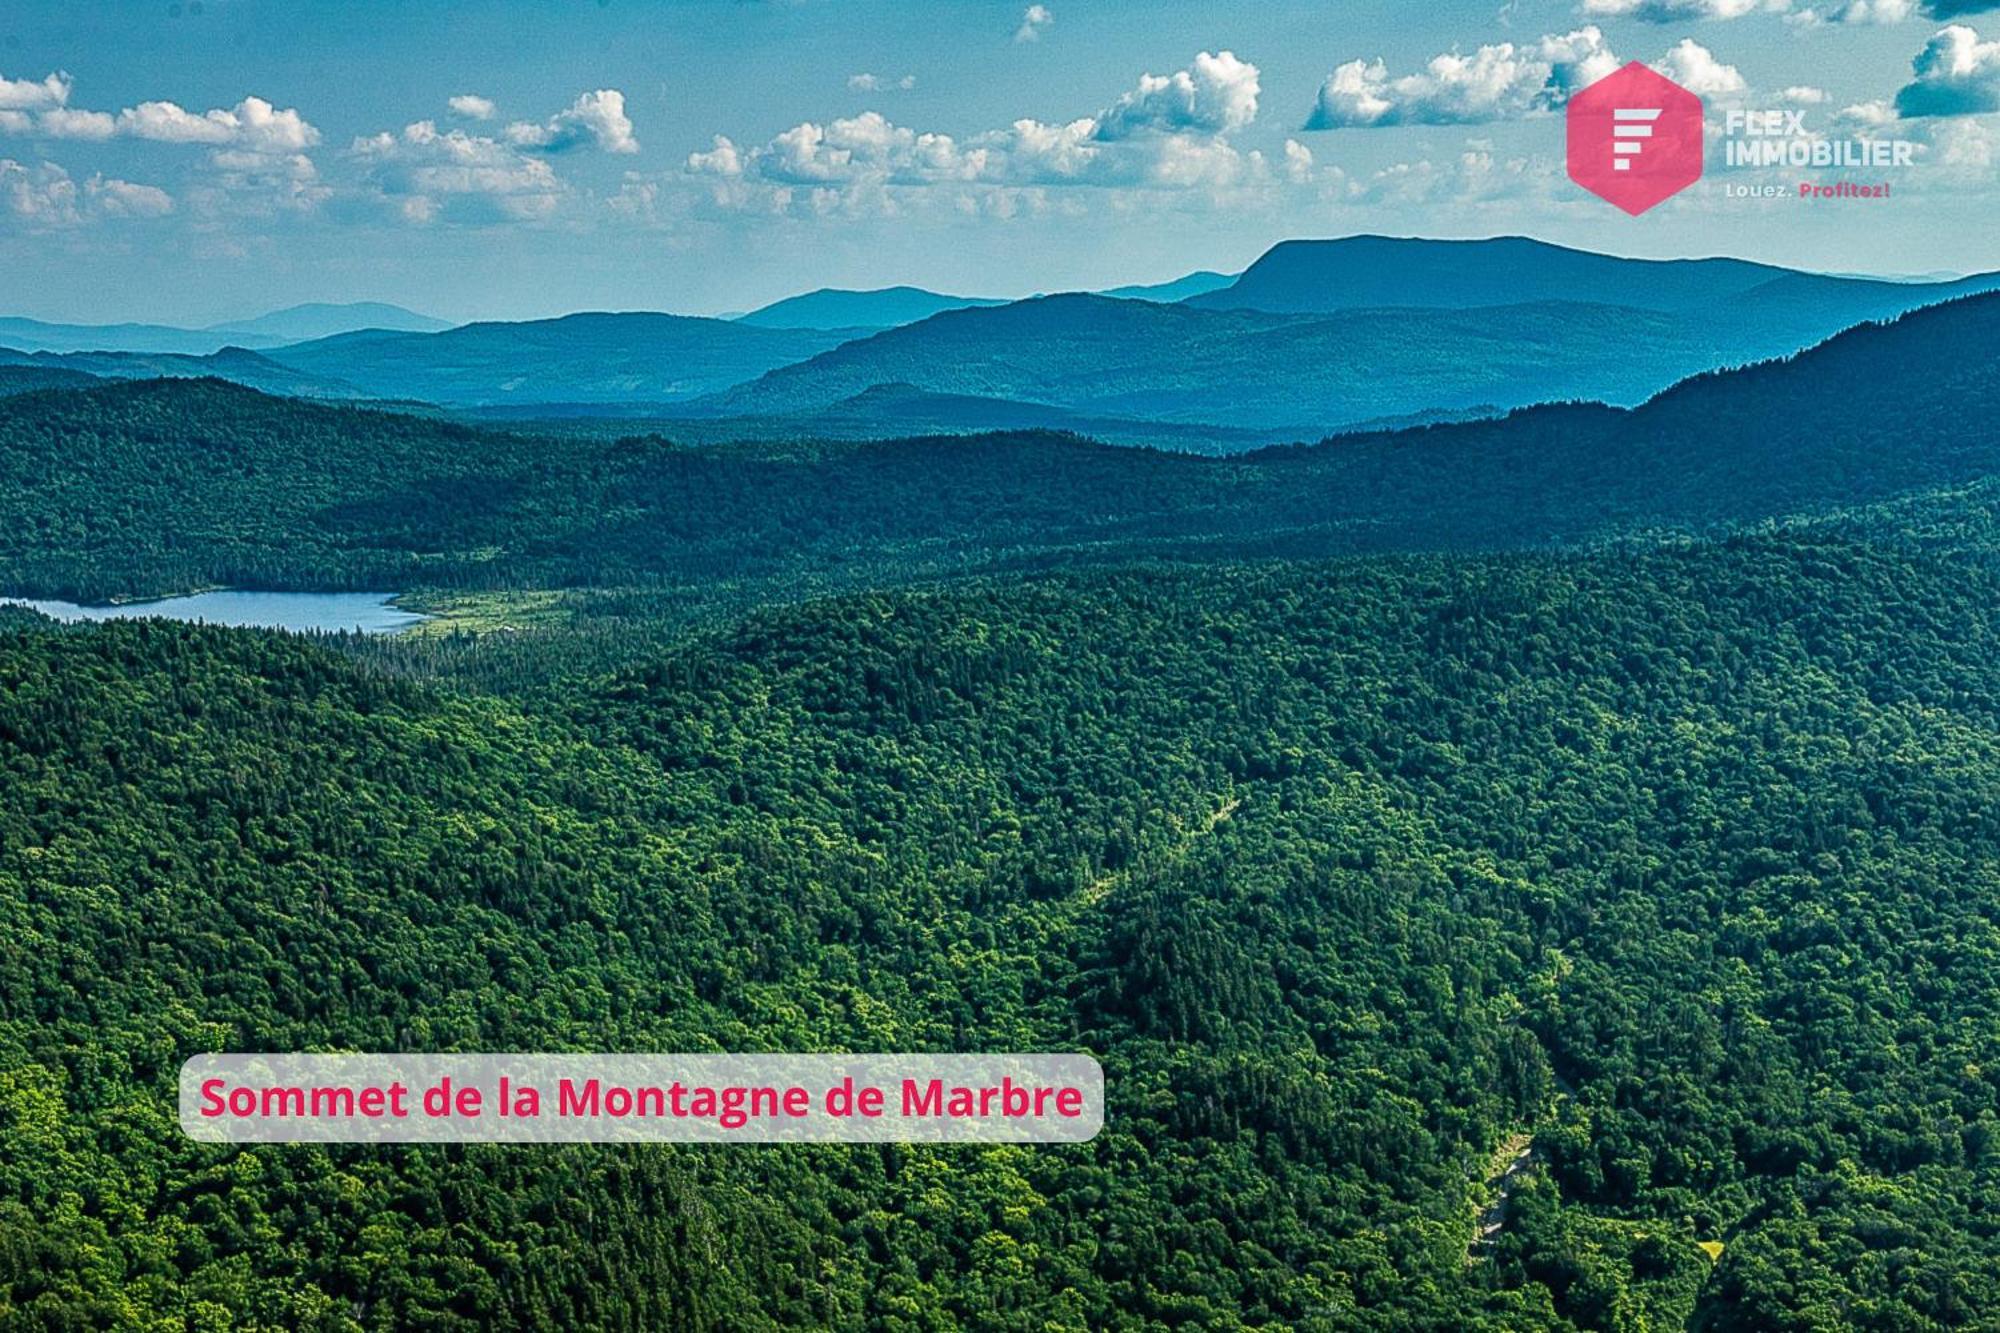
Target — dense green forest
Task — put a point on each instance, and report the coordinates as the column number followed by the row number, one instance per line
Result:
column 1609, row 796
column 163, row 486
column 1682, row 863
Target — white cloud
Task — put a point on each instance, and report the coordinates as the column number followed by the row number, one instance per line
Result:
column 42, row 195
column 1956, row 74
column 70, row 123
column 428, row 174
column 119, row 198
column 1867, row 115
column 1034, row 21
column 878, row 83
column 424, row 170
column 1677, row 11
column 1474, row 173
column 721, row 160
column 1695, row 68
column 1966, row 147
column 1498, row 82
column 252, row 123
column 472, row 106
column 1169, row 133
column 1801, row 94
column 1888, row 11
column 595, row 117
column 1856, row 11
column 1217, row 95
column 1298, row 162
column 253, row 146
column 30, row 95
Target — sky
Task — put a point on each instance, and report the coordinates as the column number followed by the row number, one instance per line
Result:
column 196, row 161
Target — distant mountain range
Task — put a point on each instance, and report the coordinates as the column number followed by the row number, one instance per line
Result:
column 319, row 319
column 1180, row 289
column 1248, row 369
column 588, row 358
column 300, row 491
column 251, row 369
column 1315, row 337
column 1367, row 272
column 883, row 410
column 886, row 307
column 293, row 324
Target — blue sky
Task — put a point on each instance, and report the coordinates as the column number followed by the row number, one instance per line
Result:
column 206, row 159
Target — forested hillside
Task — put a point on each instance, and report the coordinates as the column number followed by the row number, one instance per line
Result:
column 150, row 488
column 1313, row 373
column 1539, row 873
column 1683, row 865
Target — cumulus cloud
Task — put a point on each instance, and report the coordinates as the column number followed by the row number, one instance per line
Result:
column 423, row 171
column 1856, row 11
column 1802, row 94
column 1216, row 96
column 1476, row 172
column 1889, row 11
column 1298, row 162
column 1956, row 74
column 1695, row 68
column 1498, row 82
column 64, row 122
column 253, row 146
column 252, row 124
column 1170, row 132
column 44, row 196
column 878, row 83
column 30, row 95
column 595, row 117
column 427, row 173
column 38, row 196
column 1677, row 11
column 1505, row 81
column 1034, row 21
column 119, row 198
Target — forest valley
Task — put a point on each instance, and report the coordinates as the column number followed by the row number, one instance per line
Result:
column 1540, row 873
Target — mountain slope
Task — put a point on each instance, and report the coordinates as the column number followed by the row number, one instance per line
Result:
column 1302, row 374
column 169, row 485
column 320, row 319
column 1359, row 272
column 250, row 369
column 577, row 358
column 1180, row 289
column 832, row 308
column 33, row 335
column 1348, row 873
column 28, row 378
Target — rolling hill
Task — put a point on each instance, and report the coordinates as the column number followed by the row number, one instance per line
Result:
column 34, row 335
column 197, row 484
column 832, row 309
column 320, row 319
column 1363, row 272
column 29, row 378
column 575, row 359
column 1247, row 369
column 1179, row 289
column 235, row 364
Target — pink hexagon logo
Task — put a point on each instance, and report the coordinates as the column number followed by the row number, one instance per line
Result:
column 1635, row 138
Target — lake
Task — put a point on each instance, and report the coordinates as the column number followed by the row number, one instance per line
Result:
column 369, row 612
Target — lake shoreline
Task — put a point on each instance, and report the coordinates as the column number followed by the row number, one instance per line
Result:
column 292, row 612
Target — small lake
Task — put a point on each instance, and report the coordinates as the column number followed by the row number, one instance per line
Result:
column 368, row 612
